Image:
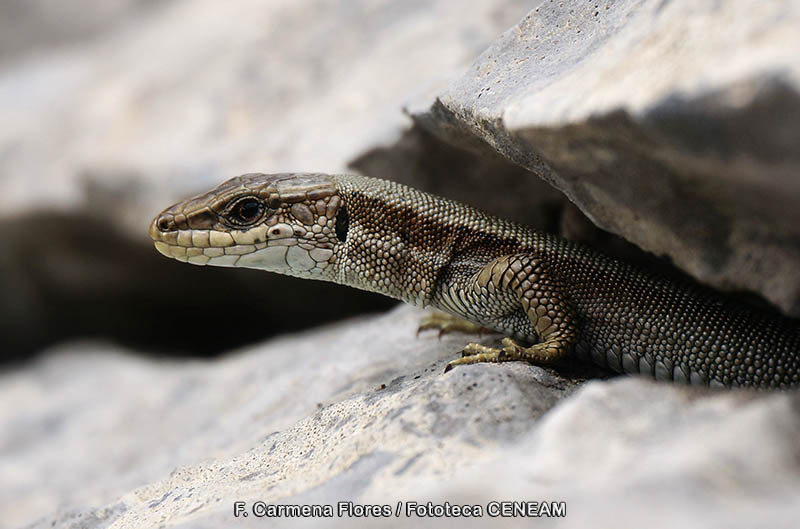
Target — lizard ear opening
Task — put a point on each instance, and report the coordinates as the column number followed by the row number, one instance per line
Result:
column 342, row 223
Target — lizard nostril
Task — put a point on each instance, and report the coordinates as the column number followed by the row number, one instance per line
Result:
column 163, row 223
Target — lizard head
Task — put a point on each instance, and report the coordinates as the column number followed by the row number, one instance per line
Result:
column 287, row 223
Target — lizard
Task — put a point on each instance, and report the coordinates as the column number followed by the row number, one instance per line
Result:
column 551, row 297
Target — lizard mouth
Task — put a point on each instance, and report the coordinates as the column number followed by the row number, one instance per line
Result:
column 201, row 247
column 272, row 248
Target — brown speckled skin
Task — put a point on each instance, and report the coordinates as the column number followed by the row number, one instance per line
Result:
column 430, row 251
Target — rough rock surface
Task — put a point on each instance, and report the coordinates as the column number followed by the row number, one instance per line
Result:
column 673, row 123
column 87, row 425
column 362, row 412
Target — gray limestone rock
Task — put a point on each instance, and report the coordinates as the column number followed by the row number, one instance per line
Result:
column 634, row 453
column 90, row 425
column 361, row 412
column 672, row 123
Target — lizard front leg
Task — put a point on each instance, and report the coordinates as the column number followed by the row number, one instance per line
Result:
column 540, row 297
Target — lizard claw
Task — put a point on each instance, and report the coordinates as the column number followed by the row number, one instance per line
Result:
column 475, row 353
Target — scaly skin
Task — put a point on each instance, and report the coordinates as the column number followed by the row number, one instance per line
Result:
column 429, row 251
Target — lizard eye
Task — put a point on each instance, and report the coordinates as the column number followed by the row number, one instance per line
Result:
column 245, row 211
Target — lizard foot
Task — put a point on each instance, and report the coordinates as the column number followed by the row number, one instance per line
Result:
column 539, row 354
column 447, row 323
column 475, row 353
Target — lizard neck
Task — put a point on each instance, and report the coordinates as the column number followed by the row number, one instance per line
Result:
column 384, row 250
column 400, row 240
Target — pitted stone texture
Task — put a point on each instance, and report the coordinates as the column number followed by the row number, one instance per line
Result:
column 161, row 442
column 672, row 123
column 174, row 445
column 633, row 453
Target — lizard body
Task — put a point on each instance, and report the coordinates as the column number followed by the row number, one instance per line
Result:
column 537, row 288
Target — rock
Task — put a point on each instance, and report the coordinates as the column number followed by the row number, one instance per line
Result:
column 31, row 26
column 362, row 412
column 88, row 426
column 672, row 123
column 634, row 453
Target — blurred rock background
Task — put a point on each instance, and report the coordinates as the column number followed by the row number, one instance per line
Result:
column 672, row 123
column 114, row 110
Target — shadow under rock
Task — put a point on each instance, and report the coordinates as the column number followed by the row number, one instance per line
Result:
column 68, row 276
